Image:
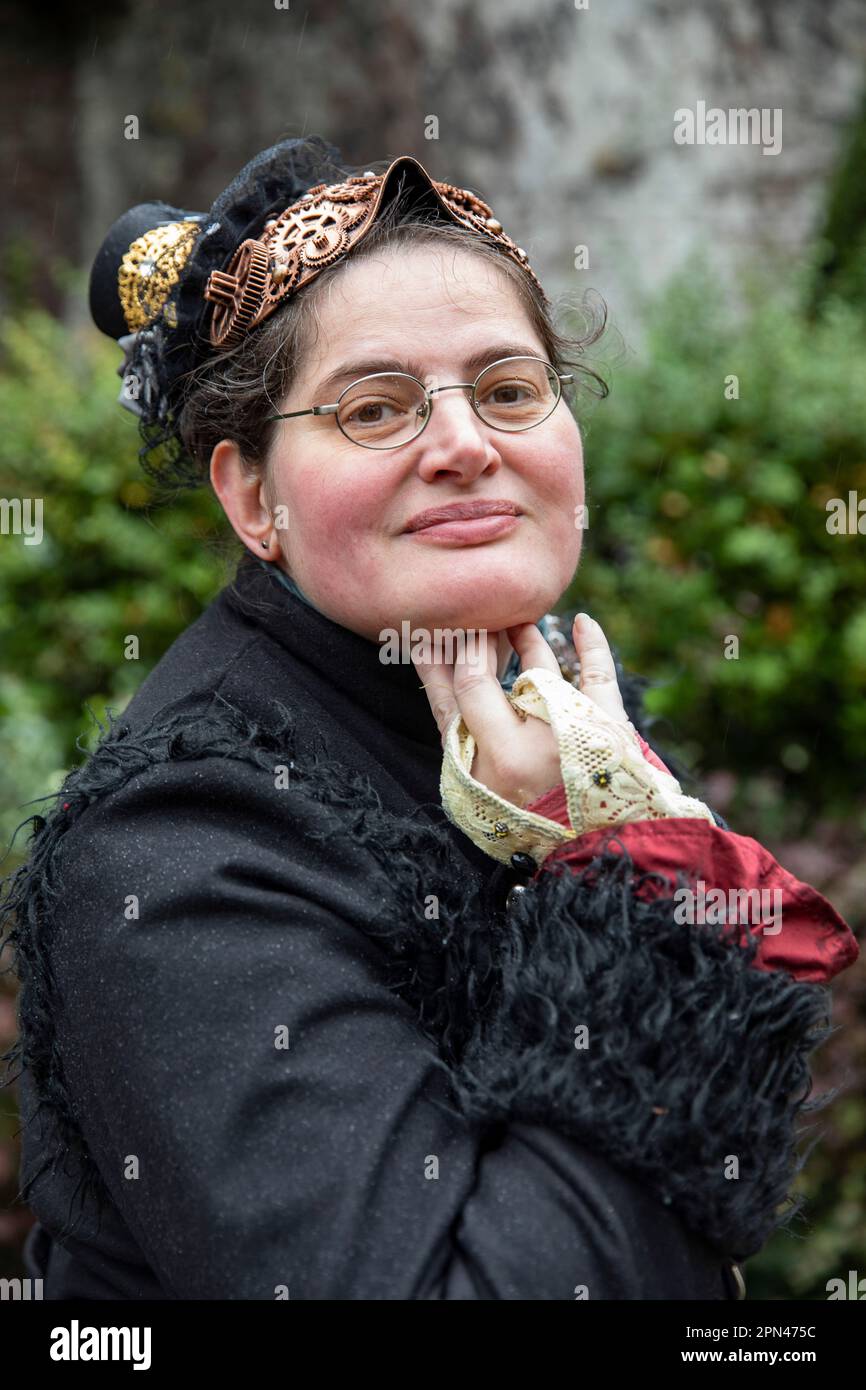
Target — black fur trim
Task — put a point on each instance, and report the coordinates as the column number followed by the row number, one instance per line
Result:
column 692, row 1054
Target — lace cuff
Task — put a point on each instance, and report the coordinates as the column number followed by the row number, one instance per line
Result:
column 607, row 778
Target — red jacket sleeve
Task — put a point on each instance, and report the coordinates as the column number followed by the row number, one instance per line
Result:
column 797, row 929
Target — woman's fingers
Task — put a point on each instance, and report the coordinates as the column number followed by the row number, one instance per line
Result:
column 478, row 666
column 486, row 711
column 532, row 648
column 438, row 681
column 597, row 670
column 471, row 685
column 515, row 757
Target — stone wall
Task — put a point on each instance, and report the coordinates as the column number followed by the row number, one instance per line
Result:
column 561, row 117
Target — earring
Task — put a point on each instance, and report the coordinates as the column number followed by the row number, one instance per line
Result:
column 265, row 544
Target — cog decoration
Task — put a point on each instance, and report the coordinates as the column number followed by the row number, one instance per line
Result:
column 314, row 232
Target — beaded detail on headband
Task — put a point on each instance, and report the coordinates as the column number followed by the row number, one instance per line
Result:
column 315, row 231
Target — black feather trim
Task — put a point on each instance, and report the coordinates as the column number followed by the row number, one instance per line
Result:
column 693, row 1064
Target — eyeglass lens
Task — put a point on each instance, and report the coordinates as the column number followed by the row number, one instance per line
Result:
column 387, row 409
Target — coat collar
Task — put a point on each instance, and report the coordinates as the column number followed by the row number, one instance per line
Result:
column 392, row 693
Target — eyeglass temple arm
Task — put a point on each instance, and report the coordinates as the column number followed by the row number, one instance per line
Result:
column 314, row 410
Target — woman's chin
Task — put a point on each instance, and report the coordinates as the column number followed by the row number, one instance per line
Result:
column 504, row 597
column 493, row 586
column 479, row 612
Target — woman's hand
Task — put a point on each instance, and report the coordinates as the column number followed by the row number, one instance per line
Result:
column 517, row 757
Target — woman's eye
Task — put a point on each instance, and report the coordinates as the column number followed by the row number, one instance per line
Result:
column 506, row 392
column 366, row 414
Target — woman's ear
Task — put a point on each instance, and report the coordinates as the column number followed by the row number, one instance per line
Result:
column 243, row 497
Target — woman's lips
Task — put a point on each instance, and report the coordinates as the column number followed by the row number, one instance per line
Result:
column 466, row 532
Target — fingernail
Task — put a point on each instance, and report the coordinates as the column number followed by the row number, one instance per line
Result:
column 584, row 621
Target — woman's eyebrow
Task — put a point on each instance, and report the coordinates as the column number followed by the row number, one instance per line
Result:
column 349, row 371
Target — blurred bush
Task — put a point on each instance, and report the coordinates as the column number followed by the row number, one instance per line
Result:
column 111, row 564
column 707, row 556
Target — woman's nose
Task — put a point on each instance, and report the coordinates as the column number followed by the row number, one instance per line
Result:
column 454, row 439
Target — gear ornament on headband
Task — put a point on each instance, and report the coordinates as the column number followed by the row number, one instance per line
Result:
column 315, row 231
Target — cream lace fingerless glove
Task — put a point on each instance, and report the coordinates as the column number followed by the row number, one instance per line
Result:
column 607, row 779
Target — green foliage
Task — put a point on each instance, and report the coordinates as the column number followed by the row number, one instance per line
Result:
column 708, row 520
column 831, row 1240
column 111, row 562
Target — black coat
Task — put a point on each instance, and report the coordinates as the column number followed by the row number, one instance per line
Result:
column 286, row 1032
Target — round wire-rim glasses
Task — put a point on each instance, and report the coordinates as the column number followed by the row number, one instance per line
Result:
column 424, row 407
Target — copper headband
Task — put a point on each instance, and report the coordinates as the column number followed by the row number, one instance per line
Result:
column 313, row 232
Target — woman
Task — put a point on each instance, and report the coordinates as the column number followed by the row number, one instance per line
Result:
column 288, row 1030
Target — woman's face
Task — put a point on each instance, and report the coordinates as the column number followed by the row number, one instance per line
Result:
column 347, row 508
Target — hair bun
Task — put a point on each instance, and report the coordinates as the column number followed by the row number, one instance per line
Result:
column 148, row 277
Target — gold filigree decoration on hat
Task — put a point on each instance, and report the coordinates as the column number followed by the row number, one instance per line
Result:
column 151, row 268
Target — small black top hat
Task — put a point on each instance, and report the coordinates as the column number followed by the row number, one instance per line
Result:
column 148, row 279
